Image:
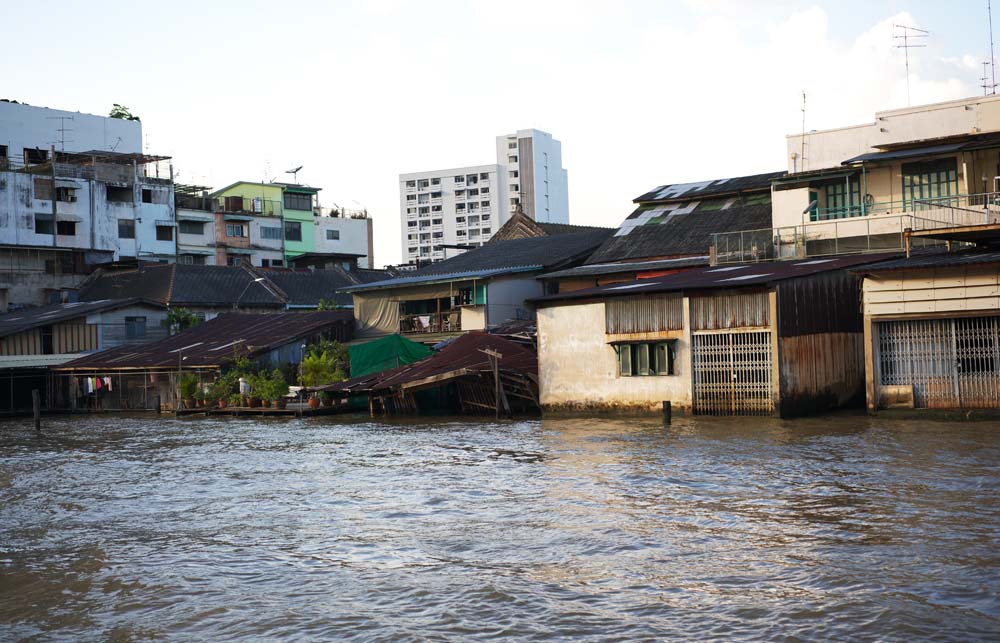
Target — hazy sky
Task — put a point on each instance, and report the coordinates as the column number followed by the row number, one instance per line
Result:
column 639, row 92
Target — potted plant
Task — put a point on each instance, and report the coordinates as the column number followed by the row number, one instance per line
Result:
column 188, row 387
column 201, row 397
column 234, row 399
column 277, row 389
column 326, row 398
column 257, row 391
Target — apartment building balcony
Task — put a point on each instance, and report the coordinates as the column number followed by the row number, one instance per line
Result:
column 874, row 227
column 248, row 206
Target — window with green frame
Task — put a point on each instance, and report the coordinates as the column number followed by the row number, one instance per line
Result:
column 645, row 358
column 926, row 182
column 839, row 203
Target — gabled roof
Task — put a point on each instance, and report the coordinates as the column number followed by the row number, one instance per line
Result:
column 183, row 285
column 19, row 321
column 521, row 226
column 711, row 188
column 216, row 342
column 683, row 229
column 503, row 257
column 720, row 277
column 304, row 287
column 589, row 270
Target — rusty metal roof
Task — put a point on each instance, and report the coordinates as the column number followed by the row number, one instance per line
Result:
column 464, row 353
column 716, row 277
column 934, row 260
column 216, row 342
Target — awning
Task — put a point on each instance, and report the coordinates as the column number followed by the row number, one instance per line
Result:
column 237, row 217
column 907, row 153
column 239, row 251
column 206, row 218
column 164, row 223
column 36, row 361
column 195, row 251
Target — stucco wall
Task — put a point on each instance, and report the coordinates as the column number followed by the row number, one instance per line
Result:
column 353, row 237
column 37, row 127
column 578, row 369
column 505, row 298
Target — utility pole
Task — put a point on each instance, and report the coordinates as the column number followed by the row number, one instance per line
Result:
column 993, row 60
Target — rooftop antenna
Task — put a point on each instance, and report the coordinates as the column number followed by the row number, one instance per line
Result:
column 993, row 60
column 906, row 34
column 62, row 129
column 295, row 174
column 985, row 81
column 802, row 140
column 267, row 172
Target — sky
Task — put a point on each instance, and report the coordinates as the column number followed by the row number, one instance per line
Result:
column 640, row 93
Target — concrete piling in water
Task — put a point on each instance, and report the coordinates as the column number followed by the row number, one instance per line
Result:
column 667, row 411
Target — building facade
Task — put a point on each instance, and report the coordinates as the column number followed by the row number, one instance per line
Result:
column 445, row 212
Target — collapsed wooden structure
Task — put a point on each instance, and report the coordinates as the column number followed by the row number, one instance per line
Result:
column 475, row 374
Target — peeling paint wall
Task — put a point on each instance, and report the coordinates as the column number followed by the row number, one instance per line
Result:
column 578, row 369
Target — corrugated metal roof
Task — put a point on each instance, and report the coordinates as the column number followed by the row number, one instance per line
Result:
column 36, row 361
column 713, row 277
column 934, row 260
column 438, row 278
column 25, row 319
column 712, row 187
column 628, row 266
column 217, row 341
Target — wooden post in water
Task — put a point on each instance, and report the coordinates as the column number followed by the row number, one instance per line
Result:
column 667, row 411
column 36, row 409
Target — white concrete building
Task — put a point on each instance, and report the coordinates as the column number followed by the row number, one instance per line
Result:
column 34, row 131
column 534, row 176
column 464, row 206
column 340, row 232
column 459, row 206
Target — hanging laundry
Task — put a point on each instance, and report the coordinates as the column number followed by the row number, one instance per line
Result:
column 107, row 383
column 100, row 383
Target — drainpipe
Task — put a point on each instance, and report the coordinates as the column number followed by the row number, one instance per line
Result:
column 93, row 188
column 52, row 164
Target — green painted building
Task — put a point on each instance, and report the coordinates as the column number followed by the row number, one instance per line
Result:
column 299, row 219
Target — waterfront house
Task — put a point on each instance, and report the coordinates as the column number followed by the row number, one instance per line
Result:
column 780, row 338
column 932, row 323
column 671, row 229
column 480, row 288
column 142, row 376
column 34, row 339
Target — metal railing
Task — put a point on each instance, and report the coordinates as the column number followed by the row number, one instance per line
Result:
column 248, row 205
column 873, row 232
column 902, row 206
column 443, row 322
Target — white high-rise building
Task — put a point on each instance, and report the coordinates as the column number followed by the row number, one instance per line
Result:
column 442, row 209
column 534, row 175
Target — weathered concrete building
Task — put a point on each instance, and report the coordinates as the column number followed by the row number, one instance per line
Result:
column 735, row 340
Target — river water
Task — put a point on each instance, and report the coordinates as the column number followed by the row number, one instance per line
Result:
column 155, row 529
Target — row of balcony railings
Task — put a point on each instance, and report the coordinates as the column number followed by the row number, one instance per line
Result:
column 124, row 168
column 875, row 227
column 443, row 322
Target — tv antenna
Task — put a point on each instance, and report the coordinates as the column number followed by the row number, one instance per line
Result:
column 905, row 34
column 62, row 129
column 802, row 139
column 993, row 60
column 295, row 174
column 988, row 87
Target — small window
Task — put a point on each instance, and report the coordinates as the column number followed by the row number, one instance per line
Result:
column 135, row 327
column 66, row 194
column 277, row 263
column 192, row 227
column 411, row 184
column 191, row 260
column 513, row 174
column 484, row 176
column 459, row 179
column 411, row 197
column 332, row 235
column 234, row 260
column 270, row 232
column 293, row 231
column 43, row 223
column 66, row 228
column 147, row 195
column 235, row 230
column 435, row 181
column 512, row 145
column 645, row 358
column 164, row 233
column 126, row 228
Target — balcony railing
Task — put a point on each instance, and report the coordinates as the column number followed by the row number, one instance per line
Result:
column 878, row 230
column 248, row 205
column 444, row 322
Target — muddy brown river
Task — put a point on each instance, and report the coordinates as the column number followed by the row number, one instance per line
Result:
column 150, row 528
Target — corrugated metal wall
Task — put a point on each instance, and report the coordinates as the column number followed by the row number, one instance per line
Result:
column 66, row 338
column 648, row 314
column 828, row 302
column 730, row 310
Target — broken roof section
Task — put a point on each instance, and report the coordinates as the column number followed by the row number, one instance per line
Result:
column 219, row 341
column 735, row 186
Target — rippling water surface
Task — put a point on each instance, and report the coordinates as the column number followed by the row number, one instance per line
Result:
column 155, row 529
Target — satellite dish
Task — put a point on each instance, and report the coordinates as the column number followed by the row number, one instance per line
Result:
column 295, row 173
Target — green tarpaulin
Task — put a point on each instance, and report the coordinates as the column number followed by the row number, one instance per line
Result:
column 387, row 352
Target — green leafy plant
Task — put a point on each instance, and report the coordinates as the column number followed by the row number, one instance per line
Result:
column 336, row 351
column 277, row 387
column 320, row 369
column 234, row 399
column 179, row 319
column 188, row 385
column 326, row 304
column 122, row 112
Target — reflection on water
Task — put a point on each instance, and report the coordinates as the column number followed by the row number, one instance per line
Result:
column 155, row 529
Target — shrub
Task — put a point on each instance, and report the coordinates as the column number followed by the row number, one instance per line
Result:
column 188, row 385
